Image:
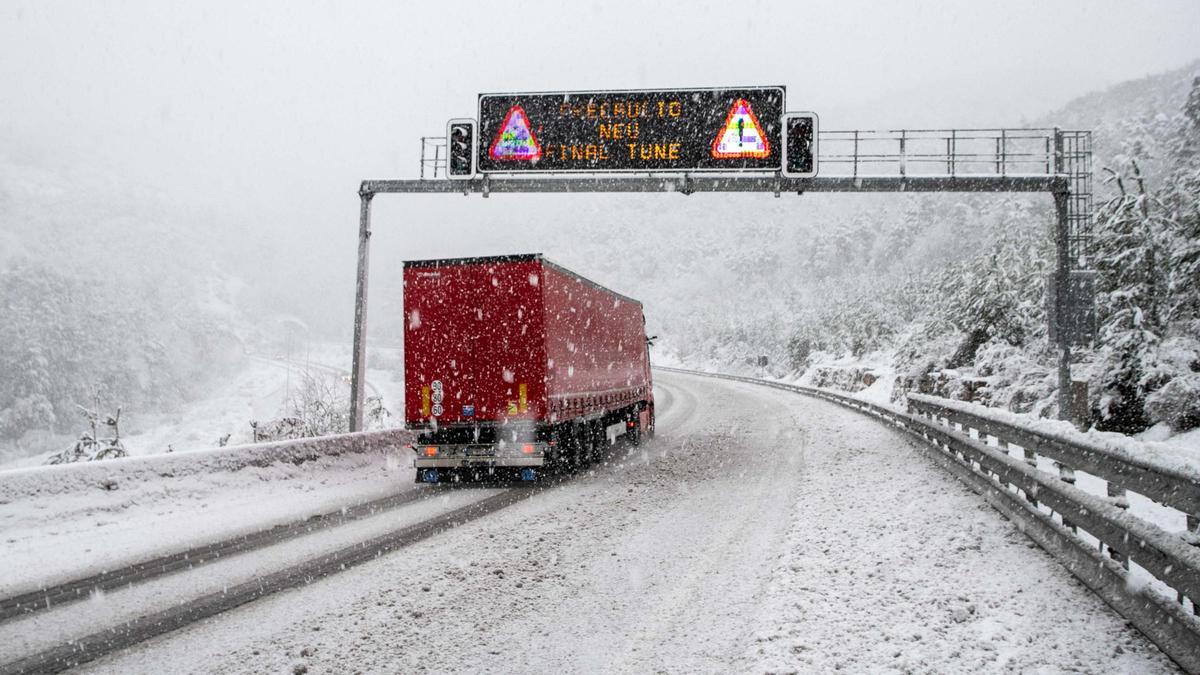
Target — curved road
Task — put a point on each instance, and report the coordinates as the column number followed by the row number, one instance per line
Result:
column 760, row 531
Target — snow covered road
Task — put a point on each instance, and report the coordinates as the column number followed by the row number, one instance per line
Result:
column 760, row 531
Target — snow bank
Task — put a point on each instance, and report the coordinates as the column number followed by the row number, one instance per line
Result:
column 113, row 474
column 1180, row 453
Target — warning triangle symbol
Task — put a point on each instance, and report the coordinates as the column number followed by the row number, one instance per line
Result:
column 515, row 140
column 742, row 136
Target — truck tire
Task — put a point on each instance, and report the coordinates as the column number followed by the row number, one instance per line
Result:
column 599, row 442
column 573, row 446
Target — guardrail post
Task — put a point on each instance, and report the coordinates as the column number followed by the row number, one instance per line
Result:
column 1116, row 494
column 1067, row 475
column 1031, row 459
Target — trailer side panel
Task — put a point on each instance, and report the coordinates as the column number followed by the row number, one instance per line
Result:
column 595, row 347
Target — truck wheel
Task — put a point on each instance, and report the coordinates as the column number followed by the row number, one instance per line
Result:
column 634, row 433
column 581, row 446
column 599, row 442
column 570, row 447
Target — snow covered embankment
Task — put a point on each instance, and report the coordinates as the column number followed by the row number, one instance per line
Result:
column 1180, row 453
column 60, row 523
column 115, row 474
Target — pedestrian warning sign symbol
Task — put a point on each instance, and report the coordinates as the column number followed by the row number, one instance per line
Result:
column 742, row 135
column 515, row 140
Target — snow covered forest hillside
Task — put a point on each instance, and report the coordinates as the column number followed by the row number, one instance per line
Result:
column 107, row 289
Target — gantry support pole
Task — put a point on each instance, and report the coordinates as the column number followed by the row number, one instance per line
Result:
column 358, row 368
column 1062, row 277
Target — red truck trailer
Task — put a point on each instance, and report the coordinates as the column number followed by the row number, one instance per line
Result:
column 514, row 365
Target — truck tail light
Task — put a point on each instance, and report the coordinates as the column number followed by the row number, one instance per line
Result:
column 527, row 448
column 431, row 451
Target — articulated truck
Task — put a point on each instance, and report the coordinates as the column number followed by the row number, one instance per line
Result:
column 515, row 366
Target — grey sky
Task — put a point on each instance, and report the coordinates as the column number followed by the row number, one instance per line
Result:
column 275, row 111
column 310, row 88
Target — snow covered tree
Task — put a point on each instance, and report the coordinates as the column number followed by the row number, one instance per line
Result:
column 1130, row 257
column 91, row 446
column 319, row 406
column 998, row 294
column 1147, row 249
column 1181, row 201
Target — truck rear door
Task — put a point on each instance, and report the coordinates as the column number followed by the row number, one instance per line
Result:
column 442, row 337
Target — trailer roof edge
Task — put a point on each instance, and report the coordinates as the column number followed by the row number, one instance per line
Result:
column 512, row 258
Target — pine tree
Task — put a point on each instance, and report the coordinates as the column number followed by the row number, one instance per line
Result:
column 997, row 294
column 1181, row 200
column 1130, row 258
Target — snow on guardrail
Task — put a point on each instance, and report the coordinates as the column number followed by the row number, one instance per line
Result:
column 1158, row 455
column 111, row 474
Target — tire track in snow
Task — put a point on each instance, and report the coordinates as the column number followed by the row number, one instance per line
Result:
column 103, row 642
column 26, row 604
column 679, row 409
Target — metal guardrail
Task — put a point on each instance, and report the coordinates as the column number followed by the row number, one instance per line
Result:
column 1172, row 487
column 1015, row 488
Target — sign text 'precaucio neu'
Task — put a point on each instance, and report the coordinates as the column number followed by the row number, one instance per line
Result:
column 681, row 130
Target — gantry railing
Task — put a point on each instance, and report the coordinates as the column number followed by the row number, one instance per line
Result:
column 937, row 153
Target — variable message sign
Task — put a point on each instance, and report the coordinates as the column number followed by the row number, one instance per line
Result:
column 734, row 129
